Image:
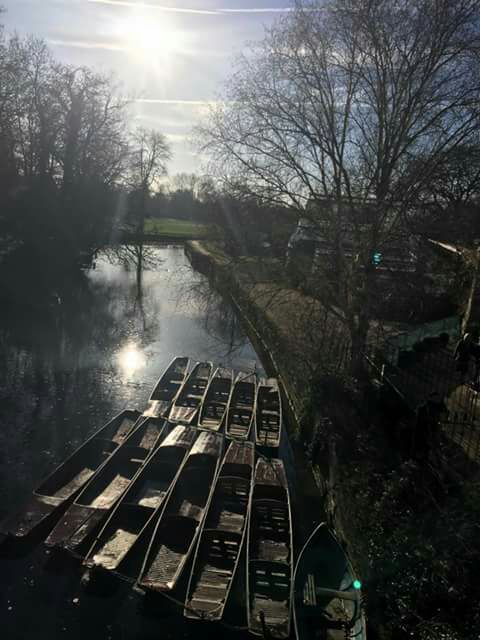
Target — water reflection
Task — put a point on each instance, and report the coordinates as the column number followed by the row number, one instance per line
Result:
column 75, row 349
column 89, row 346
column 130, row 359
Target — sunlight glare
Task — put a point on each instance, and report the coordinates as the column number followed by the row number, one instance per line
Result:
column 130, row 359
column 150, row 40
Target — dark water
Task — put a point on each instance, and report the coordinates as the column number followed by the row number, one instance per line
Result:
column 73, row 352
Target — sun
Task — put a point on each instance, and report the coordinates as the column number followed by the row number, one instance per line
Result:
column 150, row 40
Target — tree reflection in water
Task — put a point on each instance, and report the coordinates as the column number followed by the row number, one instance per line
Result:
column 78, row 347
column 217, row 318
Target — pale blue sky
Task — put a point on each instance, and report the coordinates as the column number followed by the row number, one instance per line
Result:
column 174, row 54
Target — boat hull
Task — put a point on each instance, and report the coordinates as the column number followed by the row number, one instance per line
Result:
column 179, row 524
column 268, row 415
column 269, row 552
column 121, row 545
column 83, row 519
column 221, row 541
column 325, row 596
column 60, row 489
column 241, row 410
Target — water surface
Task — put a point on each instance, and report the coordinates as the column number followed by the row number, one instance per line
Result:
column 74, row 350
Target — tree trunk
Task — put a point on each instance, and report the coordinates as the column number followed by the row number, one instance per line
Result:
column 358, row 336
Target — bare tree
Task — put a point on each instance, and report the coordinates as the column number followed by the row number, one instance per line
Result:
column 327, row 113
column 147, row 165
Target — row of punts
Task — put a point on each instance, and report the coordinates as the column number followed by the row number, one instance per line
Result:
column 149, row 494
column 247, row 408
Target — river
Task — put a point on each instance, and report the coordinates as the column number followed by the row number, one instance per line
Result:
column 72, row 354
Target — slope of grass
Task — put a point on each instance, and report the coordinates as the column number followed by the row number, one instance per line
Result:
column 174, row 228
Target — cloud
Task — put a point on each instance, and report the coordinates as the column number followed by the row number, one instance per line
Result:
column 205, row 12
column 193, row 103
column 85, row 44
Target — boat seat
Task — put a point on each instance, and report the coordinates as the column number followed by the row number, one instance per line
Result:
column 190, row 511
column 270, row 579
column 220, row 548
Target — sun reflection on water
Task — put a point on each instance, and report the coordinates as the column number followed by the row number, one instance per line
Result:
column 130, row 359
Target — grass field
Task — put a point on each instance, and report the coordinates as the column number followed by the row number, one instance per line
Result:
column 173, row 228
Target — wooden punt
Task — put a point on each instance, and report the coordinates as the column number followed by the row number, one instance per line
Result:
column 179, row 523
column 269, row 552
column 327, row 595
column 220, row 542
column 60, row 488
column 241, row 410
column 119, row 545
column 217, row 398
column 188, row 401
column 74, row 532
column 167, row 388
column 268, row 414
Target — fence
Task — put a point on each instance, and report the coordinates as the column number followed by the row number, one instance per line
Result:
column 418, row 375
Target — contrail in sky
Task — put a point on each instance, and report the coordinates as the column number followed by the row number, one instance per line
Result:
column 209, row 12
column 85, row 44
column 186, row 102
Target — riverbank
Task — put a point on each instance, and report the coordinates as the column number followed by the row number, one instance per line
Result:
column 383, row 504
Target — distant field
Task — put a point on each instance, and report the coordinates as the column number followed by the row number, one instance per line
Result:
column 171, row 227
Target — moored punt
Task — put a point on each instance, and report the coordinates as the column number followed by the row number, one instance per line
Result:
column 220, row 542
column 269, row 552
column 188, row 401
column 57, row 491
column 167, row 388
column 217, row 398
column 179, row 523
column 268, row 414
column 241, row 410
column 327, row 596
column 83, row 518
column 121, row 544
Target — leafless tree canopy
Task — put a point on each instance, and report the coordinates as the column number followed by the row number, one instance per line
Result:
column 330, row 110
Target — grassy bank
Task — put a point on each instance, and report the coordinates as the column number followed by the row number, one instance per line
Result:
column 174, row 228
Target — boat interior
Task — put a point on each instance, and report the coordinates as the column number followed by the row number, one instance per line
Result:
column 170, row 383
column 241, row 409
column 268, row 416
column 216, row 402
column 270, row 559
column 220, row 545
column 180, row 521
column 68, row 478
column 137, row 507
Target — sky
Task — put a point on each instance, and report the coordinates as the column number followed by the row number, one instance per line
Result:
column 172, row 56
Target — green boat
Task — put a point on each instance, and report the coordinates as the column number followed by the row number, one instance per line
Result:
column 327, row 595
